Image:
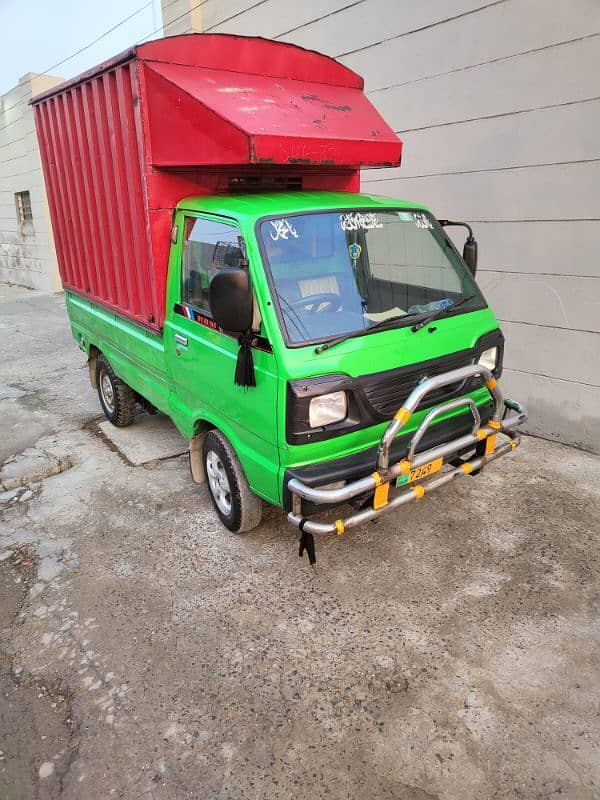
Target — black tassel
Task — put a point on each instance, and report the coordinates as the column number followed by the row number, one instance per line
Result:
column 307, row 542
column 244, row 368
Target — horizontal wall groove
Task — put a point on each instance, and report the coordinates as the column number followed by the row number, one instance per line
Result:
column 17, row 271
column 320, row 19
column 497, row 116
column 552, row 377
column 498, row 60
column 16, row 158
column 228, row 19
column 422, row 28
column 534, row 274
column 18, row 174
column 23, row 243
column 491, row 169
column 540, row 219
column 14, row 141
column 22, row 269
column 549, row 327
column 555, row 221
column 391, row 38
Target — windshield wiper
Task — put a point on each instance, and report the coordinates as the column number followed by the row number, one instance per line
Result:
column 439, row 312
column 355, row 334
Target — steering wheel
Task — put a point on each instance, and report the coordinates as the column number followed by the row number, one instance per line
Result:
column 317, row 300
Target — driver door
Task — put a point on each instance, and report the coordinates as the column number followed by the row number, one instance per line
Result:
column 203, row 357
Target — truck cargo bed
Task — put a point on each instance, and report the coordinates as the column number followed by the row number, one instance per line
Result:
column 122, row 144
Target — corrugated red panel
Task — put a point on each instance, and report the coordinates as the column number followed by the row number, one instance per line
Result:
column 90, row 149
column 123, row 143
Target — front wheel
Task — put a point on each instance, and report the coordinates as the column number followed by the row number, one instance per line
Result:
column 237, row 508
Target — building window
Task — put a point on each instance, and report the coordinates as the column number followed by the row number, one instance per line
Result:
column 24, row 215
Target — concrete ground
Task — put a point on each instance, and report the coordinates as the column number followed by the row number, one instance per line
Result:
column 448, row 651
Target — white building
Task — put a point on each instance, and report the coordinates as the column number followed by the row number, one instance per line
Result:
column 497, row 105
column 27, row 255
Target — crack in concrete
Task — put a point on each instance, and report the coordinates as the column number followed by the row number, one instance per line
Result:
column 31, row 465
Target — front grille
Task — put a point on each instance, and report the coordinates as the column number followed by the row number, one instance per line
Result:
column 387, row 391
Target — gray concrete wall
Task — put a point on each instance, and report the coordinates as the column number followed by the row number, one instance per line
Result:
column 181, row 16
column 498, row 104
column 27, row 254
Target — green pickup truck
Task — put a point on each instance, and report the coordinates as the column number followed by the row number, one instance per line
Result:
column 319, row 349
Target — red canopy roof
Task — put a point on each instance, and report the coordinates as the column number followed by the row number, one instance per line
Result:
column 213, row 116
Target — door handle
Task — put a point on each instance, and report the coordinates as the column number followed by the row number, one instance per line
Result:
column 181, row 340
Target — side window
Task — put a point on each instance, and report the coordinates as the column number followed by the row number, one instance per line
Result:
column 208, row 246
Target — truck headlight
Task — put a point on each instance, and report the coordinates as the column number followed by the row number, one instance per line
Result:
column 327, row 408
column 489, row 358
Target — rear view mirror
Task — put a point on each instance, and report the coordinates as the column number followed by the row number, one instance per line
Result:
column 470, row 254
column 470, row 248
column 230, row 297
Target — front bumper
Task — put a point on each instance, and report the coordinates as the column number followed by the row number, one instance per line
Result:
column 505, row 418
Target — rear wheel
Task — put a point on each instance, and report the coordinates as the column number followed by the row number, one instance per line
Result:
column 237, row 508
column 116, row 398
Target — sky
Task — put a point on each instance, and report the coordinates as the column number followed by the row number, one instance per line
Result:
column 37, row 34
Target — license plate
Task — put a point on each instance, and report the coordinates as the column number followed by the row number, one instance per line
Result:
column 418, row 473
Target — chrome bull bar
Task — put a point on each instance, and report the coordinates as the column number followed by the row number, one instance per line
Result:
column 507, row 415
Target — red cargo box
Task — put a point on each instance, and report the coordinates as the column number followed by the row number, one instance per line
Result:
column 187, row 115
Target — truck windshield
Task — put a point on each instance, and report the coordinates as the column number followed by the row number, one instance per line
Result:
column 340, row 272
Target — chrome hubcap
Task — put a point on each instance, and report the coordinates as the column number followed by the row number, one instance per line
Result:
column 108, row 394
column 217, row 480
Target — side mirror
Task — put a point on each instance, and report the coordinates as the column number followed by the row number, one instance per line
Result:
column 230, row 297
column 470, row 254
column 470, row 248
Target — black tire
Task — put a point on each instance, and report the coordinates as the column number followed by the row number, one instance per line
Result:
column 236, row 506
column 116, row 398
